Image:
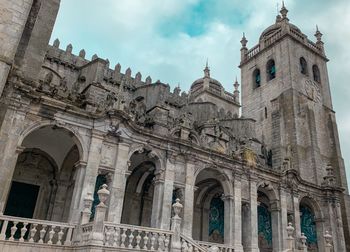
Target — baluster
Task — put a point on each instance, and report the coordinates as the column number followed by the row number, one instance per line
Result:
column 68, row 240
column 33, row 232
column 23, row 231
column 13, row 231
column 60, row 236
column 160, row 242
column 138, row 240
column 123, row 236
column 42, row 233
column 131, row 238
column 3, row 230
column 145, row 241
column 116, row 237
column 196, row 249
column 51, row 234
column 184, row 246
column 153, row 239
column 190, row 248
column 166, row 243
column 107, row 235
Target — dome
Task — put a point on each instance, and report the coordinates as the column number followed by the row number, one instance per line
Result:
column 273, row 29
column 280, row 21
column 206, row 81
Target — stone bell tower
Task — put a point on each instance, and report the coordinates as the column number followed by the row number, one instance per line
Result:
column 25, row 30
column 285, row 87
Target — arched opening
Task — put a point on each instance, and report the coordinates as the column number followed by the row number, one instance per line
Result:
column 43, row 180
column 257, row 78
column 303, row 66
column 316, row 73
column 140, row 187
column 209, row 208
column 265, row 235
column 308, row 224
column 271, row 70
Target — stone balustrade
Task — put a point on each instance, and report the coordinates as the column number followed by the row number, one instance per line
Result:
column 136, row 238
column 220, row 247
column 35, row 231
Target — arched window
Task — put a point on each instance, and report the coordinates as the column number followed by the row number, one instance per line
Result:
column 271, row 70
column 316, row 73
column 256, row 78
column 303, row 66
column 308, row 226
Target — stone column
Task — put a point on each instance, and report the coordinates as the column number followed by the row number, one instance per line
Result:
column 119, row 183
column 297, row 223
column 253, row 245
column 283, row 218
column 74, row 212
column 11, row 128
column 157, row 202
column 91, row 171
column 237, row 194
column 169, row 178
column 230, row 220
column 340, row 230
column 276, row 228
column 189, row 199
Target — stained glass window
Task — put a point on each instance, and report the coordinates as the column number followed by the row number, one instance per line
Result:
column 100, row 180
column 308, row 226
column 216, row 219
column 264, row 227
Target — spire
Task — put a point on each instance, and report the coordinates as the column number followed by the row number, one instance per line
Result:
column 284, row 12
column 244, row 41
column 318, row 34
column 236, row 91
column 207, row 70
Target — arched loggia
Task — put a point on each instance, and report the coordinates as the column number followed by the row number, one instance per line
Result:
column 139, row 206
column 209, row 207
column 44, row 176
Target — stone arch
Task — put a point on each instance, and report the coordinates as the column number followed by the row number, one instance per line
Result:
column 211, row 184
column 49, row 192
column 144, row 171
column 77, row 138
column 268, row 214
column 311, row 222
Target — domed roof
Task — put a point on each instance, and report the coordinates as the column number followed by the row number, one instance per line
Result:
column 280, row 21
column 273, row 29
column 206, row 79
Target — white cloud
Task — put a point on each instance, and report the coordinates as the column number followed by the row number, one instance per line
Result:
column 126, row 31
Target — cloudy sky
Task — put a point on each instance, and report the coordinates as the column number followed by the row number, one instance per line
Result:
column 170, row 40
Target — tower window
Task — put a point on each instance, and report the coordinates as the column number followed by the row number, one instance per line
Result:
column 303, row 66
column 316, row 73
column 271, row 70
column 257, row 78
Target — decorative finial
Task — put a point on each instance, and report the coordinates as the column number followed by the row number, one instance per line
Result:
column 82, row 54
column 69, row 48
column 284, row 11
column 244, row 41
column 236, row 85
column 318, row 34
column 56, row 43
column 207, row 70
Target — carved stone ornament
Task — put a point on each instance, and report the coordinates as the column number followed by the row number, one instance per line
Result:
column 312, row 90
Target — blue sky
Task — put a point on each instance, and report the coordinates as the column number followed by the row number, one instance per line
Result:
column 170, row 40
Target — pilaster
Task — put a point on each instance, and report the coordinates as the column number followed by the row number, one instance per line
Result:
column 119, row 183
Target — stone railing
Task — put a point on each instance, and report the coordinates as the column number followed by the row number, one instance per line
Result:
column 136, row 238
column 254, row 51
column 35, row 231
column 188, row 244
column 220, row 247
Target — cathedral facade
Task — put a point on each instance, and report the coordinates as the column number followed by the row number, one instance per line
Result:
column 93, row 159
